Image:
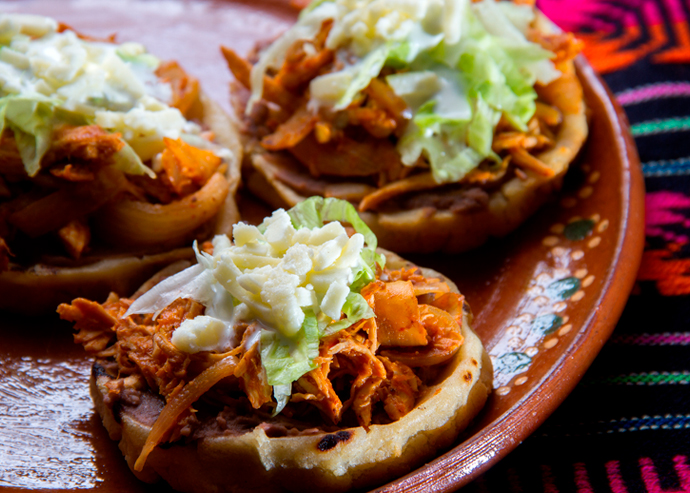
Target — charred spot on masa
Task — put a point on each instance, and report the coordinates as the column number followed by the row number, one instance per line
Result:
column 117, row 412
column 467, row 376
column 330, row 441
column 97, row 370
column 474, row 362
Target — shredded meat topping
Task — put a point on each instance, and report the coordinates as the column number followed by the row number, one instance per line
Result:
column 371, row 372
column 78, row 181
column 358, row 142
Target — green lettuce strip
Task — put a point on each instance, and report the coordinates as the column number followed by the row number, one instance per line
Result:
column 316, row 211
column 287, row 359
column 32, row 119
column 355, row 309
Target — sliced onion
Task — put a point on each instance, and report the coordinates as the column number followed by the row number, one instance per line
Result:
column 136, row 223
column 181, row 402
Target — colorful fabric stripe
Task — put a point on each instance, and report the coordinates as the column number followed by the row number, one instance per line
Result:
column 667, row 125
column 670, row 167
column 622, row 425
column 519, row 480
column 613, row 470
column 663, row 339
column 652, row 378
column 582, row 481
column 650, row 476
column 653, row 91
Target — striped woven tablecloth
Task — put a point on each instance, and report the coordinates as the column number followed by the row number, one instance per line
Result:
column 626, row 428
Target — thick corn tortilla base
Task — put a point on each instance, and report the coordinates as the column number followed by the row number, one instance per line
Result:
column 429, row 229
column 40, row 288
column 255, row 462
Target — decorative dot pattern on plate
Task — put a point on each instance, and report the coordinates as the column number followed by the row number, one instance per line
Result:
column 550, row 241
column 560, row 306
column 551, row 343
column 558, row 251
column 569, row 202
column 565, row 329
column 531, row 351
column 503, row 391
column 585, row 193
column 554, row 291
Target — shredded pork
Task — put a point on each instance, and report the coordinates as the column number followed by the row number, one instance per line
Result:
column 358, row 144
column 77, row 180
column 372, row 372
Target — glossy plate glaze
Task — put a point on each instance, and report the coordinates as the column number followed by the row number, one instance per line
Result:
column 545, row 298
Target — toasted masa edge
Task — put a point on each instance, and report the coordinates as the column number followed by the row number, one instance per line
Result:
column 38, row 289
column 322, row 462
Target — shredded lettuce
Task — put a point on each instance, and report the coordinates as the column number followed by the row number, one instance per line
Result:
column 415, row 88
column 312, row 5
column 495, row 77
column 135, row 53
column 287, row 359
column 31, row 119
column 316, row 211
column 459, row 65
column 480, row 131
column 364, row 71
column 49, row 78
column 128, row 161
column 355, row 309
column 194, row 282
column 282, row 394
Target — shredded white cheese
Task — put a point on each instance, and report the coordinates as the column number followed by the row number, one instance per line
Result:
column 270, row 276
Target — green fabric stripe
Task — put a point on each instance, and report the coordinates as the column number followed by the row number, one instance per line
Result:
column 653, row 378
column 660, row 126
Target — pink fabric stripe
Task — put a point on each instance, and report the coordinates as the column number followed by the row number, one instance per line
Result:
column 651, row 14
column 683, row 471
column 514, row 481
column 582, row 479
column 665, row 339
column 595, row 14
column 662, row 209
column 656, row 91
column 615, row 479
column 649, row 476
column 548, row 479
column 675, row 10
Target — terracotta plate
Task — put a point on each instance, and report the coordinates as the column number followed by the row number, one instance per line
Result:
column 545, row 298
